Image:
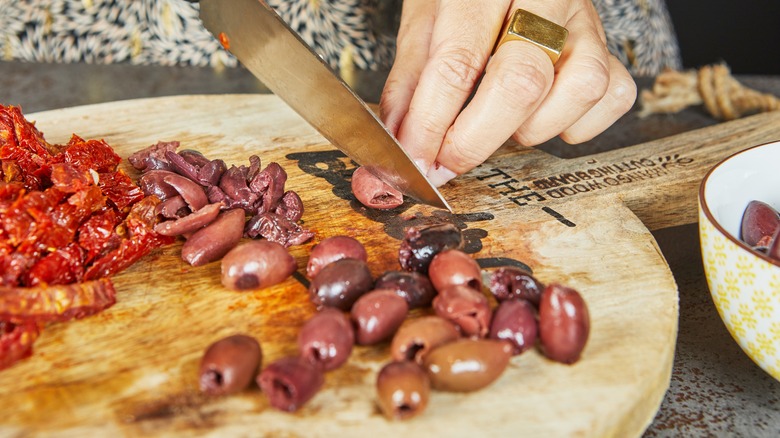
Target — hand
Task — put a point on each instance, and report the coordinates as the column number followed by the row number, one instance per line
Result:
column 444, row 46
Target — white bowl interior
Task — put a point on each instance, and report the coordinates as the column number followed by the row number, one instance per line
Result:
column 752, row 174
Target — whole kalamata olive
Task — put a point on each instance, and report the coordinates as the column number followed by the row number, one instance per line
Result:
column 758, row 221
column 467, row 364
column 290, row 382
column 466, row 308
column 373, row 192
column 413, row 286
column 331, row 249
column 229, row 364
column 416, row 337
column 515, row 321
column 510, row 282
column 377, row 315
column 452, row 266
column 340, row 284
column 564, row 323
column 421, row 243
column 326, row 339
column 403, row 390
column 256, row 264
column 216, row 239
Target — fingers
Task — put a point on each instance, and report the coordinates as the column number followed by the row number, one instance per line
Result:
column 459, row 49
column 442, row 52
column 619, row 98
column 413, row 41
column 581, row 81
column 516, row 80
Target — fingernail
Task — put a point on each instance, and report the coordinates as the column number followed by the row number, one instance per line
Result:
column 439, row 175
column 422, row 165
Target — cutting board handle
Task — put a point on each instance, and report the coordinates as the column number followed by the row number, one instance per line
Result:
column 657, row 180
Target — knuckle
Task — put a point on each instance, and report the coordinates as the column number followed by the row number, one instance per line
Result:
column 459, row 68
column 525, row 82
column 463, row 154
column 624, row 92
column 591, row 81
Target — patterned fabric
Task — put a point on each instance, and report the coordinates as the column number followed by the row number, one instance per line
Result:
column 356, row 32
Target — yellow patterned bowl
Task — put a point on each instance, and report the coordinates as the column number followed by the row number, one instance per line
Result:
column 745, row 285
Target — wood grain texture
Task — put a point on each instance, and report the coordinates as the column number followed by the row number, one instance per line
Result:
column 132, row 370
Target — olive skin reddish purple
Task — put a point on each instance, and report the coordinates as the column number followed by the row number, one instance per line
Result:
column 416, row 337
column 451, row 266
column 256, row 264
column 564, row 323
column 290, row 382
column 377, row 315
column 229, row 364
column 331, row 249
column 467, row 364
column 422, row 243
column 340, row 284
column 759, row 221
column 403, row 389
column 510, row 282
column 212, row 242
column 466, row 308
column 326, row 339
column 515, row 321
column 413, row 286
column 373, row 192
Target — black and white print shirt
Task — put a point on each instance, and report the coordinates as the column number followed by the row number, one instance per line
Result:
column 360, row 32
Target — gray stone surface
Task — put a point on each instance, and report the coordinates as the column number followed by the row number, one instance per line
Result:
column 716, row 390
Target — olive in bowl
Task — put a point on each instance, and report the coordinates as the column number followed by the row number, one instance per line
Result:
column 743, row 279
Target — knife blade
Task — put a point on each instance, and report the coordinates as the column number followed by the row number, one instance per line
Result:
column 258, row 37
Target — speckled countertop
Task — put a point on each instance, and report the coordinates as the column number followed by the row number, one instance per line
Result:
column 716, row 390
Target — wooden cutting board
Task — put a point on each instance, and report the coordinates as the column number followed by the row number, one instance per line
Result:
column 132, row 370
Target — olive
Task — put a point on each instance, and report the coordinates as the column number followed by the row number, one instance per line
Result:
column 564, row 323
column 403, row 390
column 373, row 192
column 332, row 249
column 510, row 282
column 189, row 223
column 326, row 339
column 758, row 221
column 377, row 315
column 467, row 364
column 773, row 249
column 256, row 264
column 229, row 364
column 290, row 382
column 452, row 266
column 212, row 242
column 515, row 321
column 421, row 243
column 413, row 286
column 340, row 284
column 416, row 337
column 466, row 308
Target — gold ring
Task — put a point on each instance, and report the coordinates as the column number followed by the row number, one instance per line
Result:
column 525, row 26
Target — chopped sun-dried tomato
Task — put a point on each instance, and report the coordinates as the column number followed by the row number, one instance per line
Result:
column 140, row 227
column 98, row 234
column 63, row 266
column 55, row 303
column 16, row 341
column 120, row 189
column 69, row 218
column 90, row 154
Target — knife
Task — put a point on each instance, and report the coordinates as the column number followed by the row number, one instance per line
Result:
column 258, row 37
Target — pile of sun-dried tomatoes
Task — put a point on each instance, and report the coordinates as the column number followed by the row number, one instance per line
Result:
column 69, row 219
